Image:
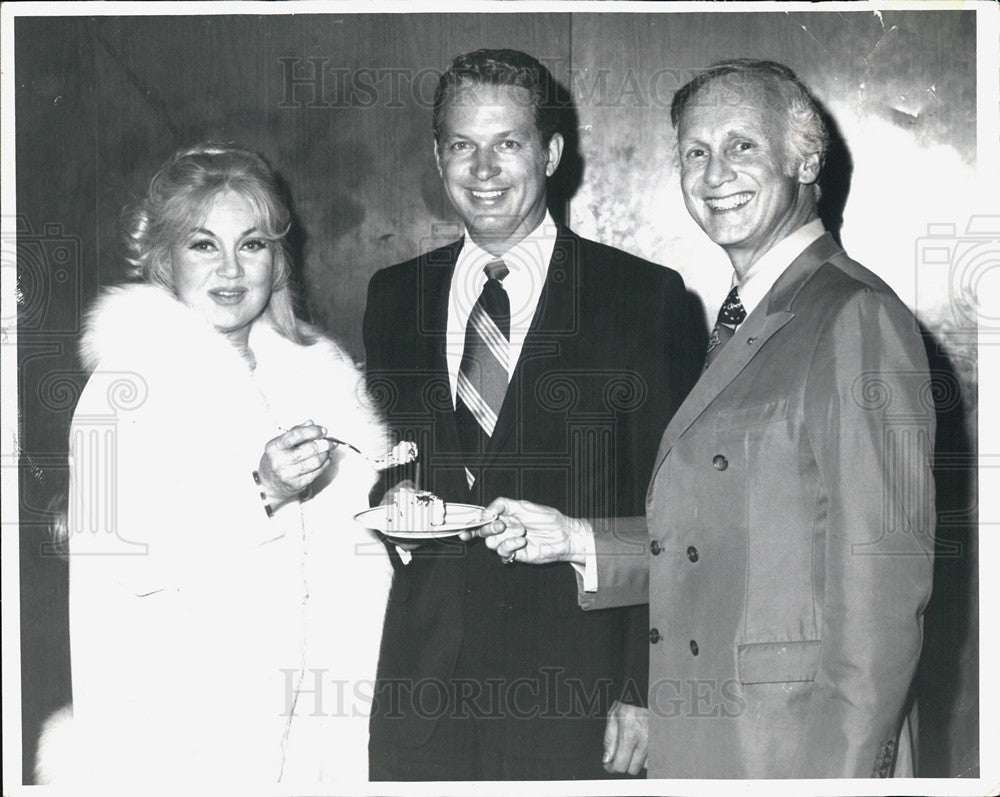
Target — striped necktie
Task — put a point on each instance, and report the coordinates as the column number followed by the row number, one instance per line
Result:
column 482, row 375
column 731, row 315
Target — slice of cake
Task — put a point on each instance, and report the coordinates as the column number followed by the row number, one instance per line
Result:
column 401, row 454
column 416, row 510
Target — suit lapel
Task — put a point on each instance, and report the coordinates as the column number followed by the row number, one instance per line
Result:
column 766, row 319
column 740, row 350
column 553, row 316
column 436, row 271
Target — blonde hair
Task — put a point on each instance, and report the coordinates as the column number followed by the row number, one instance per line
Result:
column 180, row 195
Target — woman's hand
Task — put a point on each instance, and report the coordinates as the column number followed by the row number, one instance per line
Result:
column 291, row 462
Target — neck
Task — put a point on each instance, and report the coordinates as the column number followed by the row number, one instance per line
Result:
column 743, row 259
column 498, row 246
column 240, row 339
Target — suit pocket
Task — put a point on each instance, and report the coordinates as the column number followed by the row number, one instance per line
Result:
column 778, row 662
column 753, row 415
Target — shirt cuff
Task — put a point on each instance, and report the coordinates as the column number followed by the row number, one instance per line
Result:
column 587, row 572
column 267, row 531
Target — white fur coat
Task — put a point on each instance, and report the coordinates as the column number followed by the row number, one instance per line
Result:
column 208, row 641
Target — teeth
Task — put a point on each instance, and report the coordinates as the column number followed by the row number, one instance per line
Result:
column 730, row 202
column 487, row 194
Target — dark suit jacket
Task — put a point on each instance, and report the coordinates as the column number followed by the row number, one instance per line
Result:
column 612, row 350
column 790, row 542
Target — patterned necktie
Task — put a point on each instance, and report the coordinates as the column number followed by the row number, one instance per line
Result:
column 731, row 315
column 482, row 375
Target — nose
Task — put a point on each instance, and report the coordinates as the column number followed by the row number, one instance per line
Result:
column 719, row 171
column 484, row 165
column 230, row 265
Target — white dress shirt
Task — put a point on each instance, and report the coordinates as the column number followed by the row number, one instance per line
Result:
column 754, row 286
column 528, row 264
column 762, row 275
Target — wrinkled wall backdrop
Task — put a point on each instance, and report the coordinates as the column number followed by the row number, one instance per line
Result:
column 341, row 107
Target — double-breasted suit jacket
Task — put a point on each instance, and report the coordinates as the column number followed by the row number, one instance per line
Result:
column 609, row 356
column 790, row 538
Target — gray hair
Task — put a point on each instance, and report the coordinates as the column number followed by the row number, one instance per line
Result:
column 806, row 132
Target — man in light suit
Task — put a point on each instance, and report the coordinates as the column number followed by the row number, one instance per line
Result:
column 525, row 361
column 787, row 547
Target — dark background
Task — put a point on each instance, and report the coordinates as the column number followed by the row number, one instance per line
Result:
column 340, row 105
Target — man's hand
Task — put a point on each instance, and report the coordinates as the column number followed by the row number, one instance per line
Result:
column 534, row 534
column 626, row 737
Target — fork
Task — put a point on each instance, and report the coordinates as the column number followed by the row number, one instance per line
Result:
column 335, row 441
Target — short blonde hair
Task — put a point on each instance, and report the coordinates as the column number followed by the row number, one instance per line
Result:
column 180, row 195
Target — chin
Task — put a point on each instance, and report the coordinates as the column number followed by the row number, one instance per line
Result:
column 725, row 236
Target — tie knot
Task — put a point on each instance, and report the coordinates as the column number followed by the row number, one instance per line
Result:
column 732, row 311
column 496, row 270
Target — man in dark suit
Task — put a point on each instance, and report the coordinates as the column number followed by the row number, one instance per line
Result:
column 524, row 361
column 787, row 547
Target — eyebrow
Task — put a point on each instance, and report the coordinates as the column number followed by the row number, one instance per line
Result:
column 731, row 133
column 211, row 234
column 470, row 136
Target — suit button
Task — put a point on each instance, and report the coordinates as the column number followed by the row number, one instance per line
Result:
column 655, row 547
column 693, row 553
column 694, row 648
column 654, row 636
column 719, row 462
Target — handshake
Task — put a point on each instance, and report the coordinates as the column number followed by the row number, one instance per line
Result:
column 533, row 534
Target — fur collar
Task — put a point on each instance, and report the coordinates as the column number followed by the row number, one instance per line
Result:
column 144, row 328
column 131, row 323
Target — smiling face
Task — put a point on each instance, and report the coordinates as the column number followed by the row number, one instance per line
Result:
column 738, row 182
column 223, row 268
column 493, row 163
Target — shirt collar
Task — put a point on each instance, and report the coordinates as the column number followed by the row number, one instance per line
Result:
column 762, row 275
column 531, row 254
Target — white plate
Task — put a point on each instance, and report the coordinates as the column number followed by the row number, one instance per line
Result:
column 458, row 517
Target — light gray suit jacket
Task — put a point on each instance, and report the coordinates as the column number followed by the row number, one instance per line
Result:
column 787, row 549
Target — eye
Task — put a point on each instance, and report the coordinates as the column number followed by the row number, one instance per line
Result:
column 202, row 245
column 510, row 145
column 694, row 153
column 743, row 146
column 459, row 146
column 255, row 244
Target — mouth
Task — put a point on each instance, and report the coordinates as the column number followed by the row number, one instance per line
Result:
column 728, row 203
column 227, row 295
column 487, row 196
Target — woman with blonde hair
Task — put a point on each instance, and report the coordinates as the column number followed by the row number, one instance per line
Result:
column 225, row 610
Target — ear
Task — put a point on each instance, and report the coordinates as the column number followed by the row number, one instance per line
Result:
column 437, row 158
column 809, row 167
column 555, row 150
